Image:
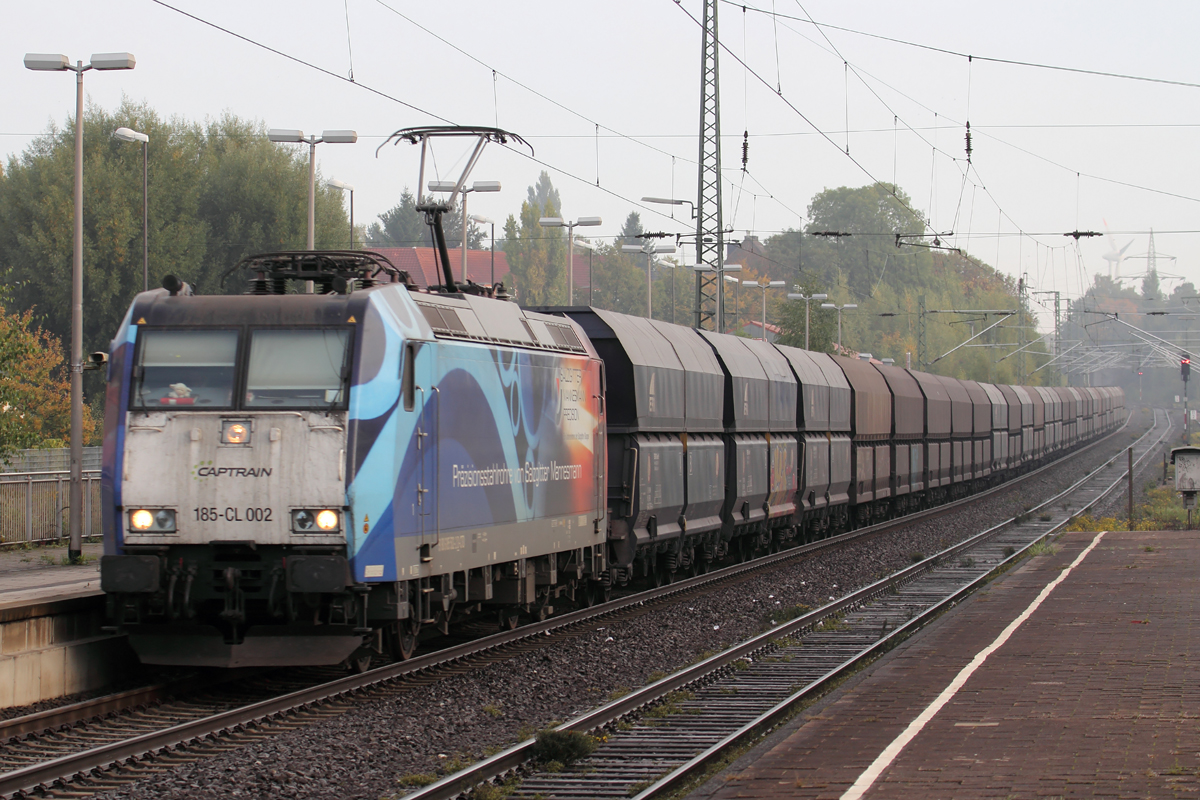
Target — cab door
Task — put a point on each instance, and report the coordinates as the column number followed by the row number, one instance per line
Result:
column 427, row 397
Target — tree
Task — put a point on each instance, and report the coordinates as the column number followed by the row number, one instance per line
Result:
column 35, row 409
column 630, row 230
column 217, row 193
column 404, row 226
column 537, row 256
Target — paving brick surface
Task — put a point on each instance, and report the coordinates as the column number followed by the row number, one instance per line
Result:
column 1096, row 695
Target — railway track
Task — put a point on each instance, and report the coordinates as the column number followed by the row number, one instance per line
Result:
column 663, row 737
column 72, row 750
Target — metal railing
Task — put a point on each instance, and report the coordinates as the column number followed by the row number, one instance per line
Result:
column 34, row 505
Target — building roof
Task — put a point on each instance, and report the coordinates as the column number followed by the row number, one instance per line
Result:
column 421, row 264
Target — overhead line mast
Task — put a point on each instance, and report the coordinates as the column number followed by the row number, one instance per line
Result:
column 710, row 244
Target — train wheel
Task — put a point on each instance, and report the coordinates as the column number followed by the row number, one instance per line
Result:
column 509, row 620
column 402, row 639
column 360, row 664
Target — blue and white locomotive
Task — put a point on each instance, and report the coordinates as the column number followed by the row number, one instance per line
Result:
column 305, row 478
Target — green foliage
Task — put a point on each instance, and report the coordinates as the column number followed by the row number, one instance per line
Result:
column 565, row 747
column 403, row 226
column 35, row 406
column 218, row 191
column 537, row 255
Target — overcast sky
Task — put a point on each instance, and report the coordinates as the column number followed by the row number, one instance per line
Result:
column 562, row 68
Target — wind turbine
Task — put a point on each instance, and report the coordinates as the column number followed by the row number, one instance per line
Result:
column 1114, row 257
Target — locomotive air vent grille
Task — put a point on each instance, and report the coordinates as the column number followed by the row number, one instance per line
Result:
column 564, row 337
column 445, row 320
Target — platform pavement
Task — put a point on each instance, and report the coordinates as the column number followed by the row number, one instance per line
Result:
column 38, row 574
column 1095, row 694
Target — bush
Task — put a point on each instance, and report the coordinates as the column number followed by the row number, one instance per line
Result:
column 565, row 747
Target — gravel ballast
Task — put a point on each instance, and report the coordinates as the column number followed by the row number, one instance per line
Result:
column 368, row 751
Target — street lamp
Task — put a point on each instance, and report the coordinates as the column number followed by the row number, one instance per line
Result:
column 492, row 222
column 650, row 249
column 839, row 309
column 478, row 186
column 764, row 284
column 60, row 63
column 332, row 137
column 666, row 201
column 806, row 299
column 559, row 222
column 591, row 248
column 129, row 135
column 333, row 183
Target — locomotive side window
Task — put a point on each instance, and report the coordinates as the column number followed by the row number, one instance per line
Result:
column 185, row 368
column 297, row 368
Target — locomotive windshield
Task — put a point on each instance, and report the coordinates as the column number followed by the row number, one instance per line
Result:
column 297, row 368
column 186, row 368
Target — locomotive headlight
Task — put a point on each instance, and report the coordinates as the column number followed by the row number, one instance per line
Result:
column 235, row 432
column 147, row 520
column 324, row 520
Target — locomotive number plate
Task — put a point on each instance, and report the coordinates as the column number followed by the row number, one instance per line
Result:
column 213, row 514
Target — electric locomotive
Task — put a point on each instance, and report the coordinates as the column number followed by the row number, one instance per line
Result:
column 309, row 477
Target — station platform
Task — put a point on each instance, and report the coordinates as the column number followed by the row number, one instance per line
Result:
column 38, row 575
column 1075, row 675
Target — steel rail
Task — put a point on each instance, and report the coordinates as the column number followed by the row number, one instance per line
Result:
column 26, row 779
column 782, row 710
column 514, row 758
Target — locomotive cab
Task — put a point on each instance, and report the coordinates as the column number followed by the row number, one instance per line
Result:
column 229, row 512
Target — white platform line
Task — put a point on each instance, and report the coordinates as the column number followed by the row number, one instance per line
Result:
column 885, row 759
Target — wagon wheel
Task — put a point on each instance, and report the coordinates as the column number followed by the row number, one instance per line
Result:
column 401, row 638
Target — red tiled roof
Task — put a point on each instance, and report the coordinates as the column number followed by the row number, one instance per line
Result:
column 421, row 264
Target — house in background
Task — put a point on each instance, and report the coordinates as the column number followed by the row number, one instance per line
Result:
column 421, row 264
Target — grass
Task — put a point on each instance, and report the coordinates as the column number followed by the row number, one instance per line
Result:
column 563, row 747
column 493, row 711
column 1162, row 511
column 1042, row 548
column 416, row 780
column 671, row 704
column 916, row 558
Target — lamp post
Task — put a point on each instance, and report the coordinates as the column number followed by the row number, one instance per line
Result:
column 331, row 137
column 130, row 135
column 492, row 222
column 806, row 299
column 650, row 249
column 333, row 183
column 60, row 63
column 591, row 248
column 478, row 186
column 764, row 284
column 839, row 309
column 559, row 222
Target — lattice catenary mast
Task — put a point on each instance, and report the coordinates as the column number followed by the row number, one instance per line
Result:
column 710, row 244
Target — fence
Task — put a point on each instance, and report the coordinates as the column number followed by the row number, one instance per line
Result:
column 34, row 505
column 50, row 460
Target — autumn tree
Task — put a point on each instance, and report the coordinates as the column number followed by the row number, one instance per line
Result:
column 35, row 408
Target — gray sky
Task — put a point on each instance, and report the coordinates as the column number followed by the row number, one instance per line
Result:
column 633, row 68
